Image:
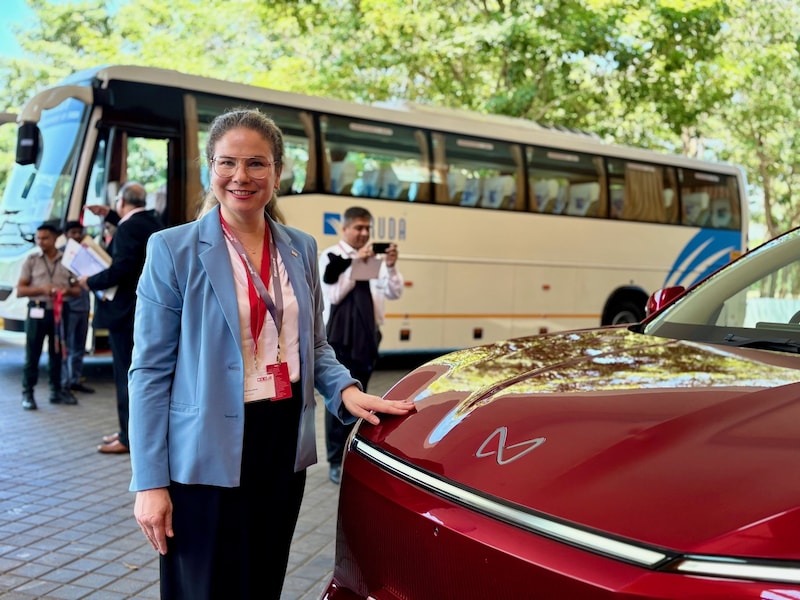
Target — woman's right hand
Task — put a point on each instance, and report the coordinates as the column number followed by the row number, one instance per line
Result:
column 364, row 406
column 153, row 512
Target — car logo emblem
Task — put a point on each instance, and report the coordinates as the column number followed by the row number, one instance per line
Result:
column 504, row 452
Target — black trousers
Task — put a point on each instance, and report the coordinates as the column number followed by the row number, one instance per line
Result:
column 76, row 328
column 233, row 543
column 121, row 342
column 35, row 332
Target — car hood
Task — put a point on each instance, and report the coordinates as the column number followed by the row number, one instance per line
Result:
column 677, row 444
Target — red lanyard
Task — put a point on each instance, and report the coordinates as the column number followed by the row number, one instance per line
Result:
column 258, row 304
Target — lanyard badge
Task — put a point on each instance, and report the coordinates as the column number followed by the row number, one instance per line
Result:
column 273, row 382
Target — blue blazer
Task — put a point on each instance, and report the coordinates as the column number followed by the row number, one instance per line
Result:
column 186, row 381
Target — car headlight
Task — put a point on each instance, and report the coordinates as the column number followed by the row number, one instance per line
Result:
column 733, row 568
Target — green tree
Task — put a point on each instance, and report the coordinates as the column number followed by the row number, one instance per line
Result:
column 760, row 58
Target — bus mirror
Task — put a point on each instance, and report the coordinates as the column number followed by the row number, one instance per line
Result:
column 27, row 143
column 660, row 298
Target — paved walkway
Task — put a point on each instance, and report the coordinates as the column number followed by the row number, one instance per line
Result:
column 66, row 517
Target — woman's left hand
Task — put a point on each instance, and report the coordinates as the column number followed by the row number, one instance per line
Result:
column 364, row 406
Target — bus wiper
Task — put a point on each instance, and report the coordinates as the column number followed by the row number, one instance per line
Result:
column 778, row 344
column 28, row 237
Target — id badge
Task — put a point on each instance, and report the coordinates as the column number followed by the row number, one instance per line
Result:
column 282, row 384
column 259, row 386
column 36, row 312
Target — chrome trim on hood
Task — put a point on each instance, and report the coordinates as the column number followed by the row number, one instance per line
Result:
column 547, row 526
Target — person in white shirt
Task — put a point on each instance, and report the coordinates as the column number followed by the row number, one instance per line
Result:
column 354, row 311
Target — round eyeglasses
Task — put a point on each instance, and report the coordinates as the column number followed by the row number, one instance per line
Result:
column 254, row 166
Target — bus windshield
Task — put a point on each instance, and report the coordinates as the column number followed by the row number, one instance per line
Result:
column 39, row 192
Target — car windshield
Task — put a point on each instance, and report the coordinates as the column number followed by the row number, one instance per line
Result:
column 753, row 302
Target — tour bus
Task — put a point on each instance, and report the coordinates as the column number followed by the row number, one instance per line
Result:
column 504, row 227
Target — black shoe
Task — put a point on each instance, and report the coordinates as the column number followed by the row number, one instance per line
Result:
column 28, row 403
column 79, row 387
column 335, row 473
column 63, row 397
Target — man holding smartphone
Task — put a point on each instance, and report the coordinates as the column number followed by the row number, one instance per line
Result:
column 355, row 309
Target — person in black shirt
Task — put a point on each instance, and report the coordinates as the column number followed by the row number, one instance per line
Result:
column 135, row 224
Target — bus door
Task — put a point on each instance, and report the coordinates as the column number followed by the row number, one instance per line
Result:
column 126, row 154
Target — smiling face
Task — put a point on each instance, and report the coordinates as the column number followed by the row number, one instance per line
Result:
column 356, row 232
column 243, row 197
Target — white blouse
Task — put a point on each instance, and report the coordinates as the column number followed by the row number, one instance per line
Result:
column 268, row 338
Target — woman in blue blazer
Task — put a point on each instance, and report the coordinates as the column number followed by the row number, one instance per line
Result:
column 229, row 343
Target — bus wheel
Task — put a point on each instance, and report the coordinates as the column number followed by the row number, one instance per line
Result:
column 626, row 312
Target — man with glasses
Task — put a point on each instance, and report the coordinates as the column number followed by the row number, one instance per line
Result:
column 135, row 224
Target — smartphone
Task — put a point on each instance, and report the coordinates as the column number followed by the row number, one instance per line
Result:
column 380, row 247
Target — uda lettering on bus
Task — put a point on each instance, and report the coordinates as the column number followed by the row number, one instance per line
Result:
column 389, row 228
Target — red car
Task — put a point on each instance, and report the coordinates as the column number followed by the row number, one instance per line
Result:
column 650, row 461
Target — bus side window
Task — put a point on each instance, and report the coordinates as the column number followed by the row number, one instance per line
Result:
column 641, row 192
column 481, row 173
column 565, row 182
column 706, row 199
column 376, row 160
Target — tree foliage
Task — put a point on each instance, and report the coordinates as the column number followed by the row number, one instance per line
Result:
column 760, row 58
column 706, row 78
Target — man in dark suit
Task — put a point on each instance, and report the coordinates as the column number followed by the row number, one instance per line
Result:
column 135, row 224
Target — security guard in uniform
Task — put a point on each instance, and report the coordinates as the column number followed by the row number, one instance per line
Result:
column 45, row 281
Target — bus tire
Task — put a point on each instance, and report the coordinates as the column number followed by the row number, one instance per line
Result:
column 626, row 312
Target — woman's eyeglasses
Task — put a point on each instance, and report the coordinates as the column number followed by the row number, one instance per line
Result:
column 255, row 167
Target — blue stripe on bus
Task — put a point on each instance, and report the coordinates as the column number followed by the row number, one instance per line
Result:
column 331, row 223
column 706, row 252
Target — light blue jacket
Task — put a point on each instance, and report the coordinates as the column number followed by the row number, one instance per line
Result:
column 186, row 380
